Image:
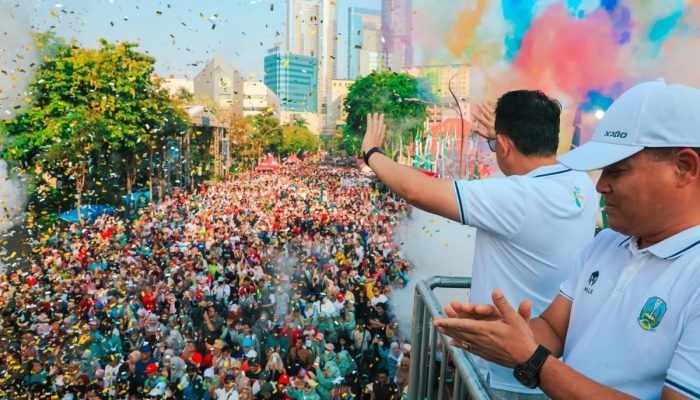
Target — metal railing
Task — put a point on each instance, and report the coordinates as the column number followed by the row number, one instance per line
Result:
column 468, row 382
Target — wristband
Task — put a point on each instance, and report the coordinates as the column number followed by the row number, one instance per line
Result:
column 368, row 154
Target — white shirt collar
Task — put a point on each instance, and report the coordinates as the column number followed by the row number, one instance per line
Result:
column 670, row 248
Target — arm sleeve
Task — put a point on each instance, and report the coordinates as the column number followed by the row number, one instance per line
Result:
column 498, row 206
column 568, row 287
column 682, row 375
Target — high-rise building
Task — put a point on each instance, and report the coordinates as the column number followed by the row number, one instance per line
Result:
column 364, row 41
column 336, row 110
column 311, row 31
column 221, row 82
column 294, row 79
column 397, row 27
column 443, row 77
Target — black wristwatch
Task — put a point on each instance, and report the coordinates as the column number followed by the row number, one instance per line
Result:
column 528, row 374
column 366, row 155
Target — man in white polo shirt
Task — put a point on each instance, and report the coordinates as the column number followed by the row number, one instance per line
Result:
column 530, row 224
column 627, row 320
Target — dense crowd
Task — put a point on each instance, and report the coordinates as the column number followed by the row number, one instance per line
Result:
column 265, row 286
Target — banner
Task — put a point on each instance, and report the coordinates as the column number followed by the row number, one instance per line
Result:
column 134, row 202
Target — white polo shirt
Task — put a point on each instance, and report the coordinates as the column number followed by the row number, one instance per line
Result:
column 530, row 229
column 635, row 318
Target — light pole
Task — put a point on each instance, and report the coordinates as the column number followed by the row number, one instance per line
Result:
column 461, row 121
column 455, row 108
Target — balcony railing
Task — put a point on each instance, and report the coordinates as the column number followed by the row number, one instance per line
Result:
column 467, row 382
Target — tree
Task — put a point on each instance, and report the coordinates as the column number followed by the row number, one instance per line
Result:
column 300, row 122
column 265, row 134
column 92, row 112
column 386, row 92
column 184, row 95
column 298, row 140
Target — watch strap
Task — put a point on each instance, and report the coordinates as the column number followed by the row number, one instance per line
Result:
column 539, row 357
column 366, row 155
column 532, row 367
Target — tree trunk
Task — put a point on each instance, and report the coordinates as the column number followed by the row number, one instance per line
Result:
column 150, row 173
column 79, row 186
column 160, row 173
column 128, row 180
column 130, row 172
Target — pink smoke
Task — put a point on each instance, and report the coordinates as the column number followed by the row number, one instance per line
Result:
column 567, row 55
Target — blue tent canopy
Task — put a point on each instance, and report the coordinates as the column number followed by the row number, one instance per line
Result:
column 89, row 213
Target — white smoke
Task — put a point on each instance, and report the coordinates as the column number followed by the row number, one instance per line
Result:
column 12, row 198
column 434, row 246
column 17, row 58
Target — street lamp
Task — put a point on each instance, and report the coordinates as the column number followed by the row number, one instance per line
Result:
column 456, row 108
column 461, row 121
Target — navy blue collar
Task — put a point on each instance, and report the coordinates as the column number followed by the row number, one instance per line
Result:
column 548, row 170
column 673, row 247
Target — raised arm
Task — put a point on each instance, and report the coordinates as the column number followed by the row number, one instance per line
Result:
column 436, row 196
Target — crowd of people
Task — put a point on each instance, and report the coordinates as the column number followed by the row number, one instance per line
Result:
column 264, row 286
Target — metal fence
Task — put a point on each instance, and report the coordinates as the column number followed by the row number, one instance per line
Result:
column 454, row 364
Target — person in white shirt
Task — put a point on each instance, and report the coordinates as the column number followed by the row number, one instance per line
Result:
column 626, row 322
column 228, row 392
column 529, row 224
column 378, row 297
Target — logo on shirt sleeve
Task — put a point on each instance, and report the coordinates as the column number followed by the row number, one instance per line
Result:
column 591, row 282
column 652, row 313
column 578, row 197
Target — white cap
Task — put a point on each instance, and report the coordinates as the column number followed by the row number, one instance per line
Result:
column 651, row 114
column 209, row 373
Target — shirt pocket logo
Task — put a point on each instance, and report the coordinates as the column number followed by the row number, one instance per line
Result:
column 651, row 314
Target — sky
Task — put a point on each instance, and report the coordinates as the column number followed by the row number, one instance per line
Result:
column 583, row 52
column 181, row 34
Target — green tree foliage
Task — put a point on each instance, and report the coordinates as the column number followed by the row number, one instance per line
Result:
column 96, row 120
column 342, row 142
column 301, row 123
column 265, row 134
column 298, row 140
column 385, row 92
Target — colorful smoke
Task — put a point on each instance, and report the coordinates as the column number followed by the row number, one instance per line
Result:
column 584, row 52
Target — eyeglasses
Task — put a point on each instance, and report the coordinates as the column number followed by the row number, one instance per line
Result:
column 492, row 144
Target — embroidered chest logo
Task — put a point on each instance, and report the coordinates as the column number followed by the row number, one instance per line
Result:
column 652, row 313
column 578, row 197
column 591, row 282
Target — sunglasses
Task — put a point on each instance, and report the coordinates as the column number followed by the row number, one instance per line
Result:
column 492, row 144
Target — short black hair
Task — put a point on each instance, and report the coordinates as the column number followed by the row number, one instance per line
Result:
column 665, row 153
column 530, row 119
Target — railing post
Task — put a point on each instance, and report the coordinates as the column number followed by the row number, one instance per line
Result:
column 416, row 346
column 422, row 381
column 443, row 369
column 424, row 341
column 457, row 387
column 433, row 360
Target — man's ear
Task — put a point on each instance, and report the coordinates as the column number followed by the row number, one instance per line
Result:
column 687, row 163
column 506, row 144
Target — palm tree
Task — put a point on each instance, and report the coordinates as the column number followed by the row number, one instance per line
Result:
column 300, row 123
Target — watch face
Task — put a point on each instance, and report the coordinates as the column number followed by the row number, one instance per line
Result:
column 525, row 377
